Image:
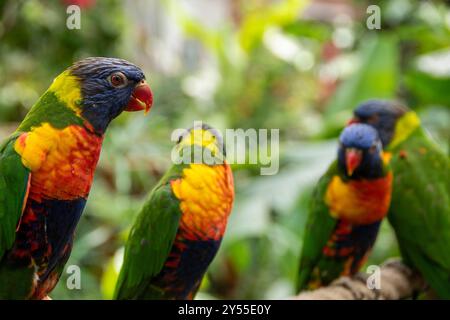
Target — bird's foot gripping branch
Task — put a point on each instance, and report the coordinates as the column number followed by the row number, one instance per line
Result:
column 397, row 281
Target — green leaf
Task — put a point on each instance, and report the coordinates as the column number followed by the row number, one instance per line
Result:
column 427, row 89
column 256, row 22
column 376, row 77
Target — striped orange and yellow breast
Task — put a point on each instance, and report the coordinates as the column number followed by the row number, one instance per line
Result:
column 62, row 161
column 206, row 196
column 359, row 201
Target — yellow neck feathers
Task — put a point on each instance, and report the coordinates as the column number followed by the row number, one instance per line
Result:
column 202, row 138
column 386, row 156
column 67, row 89
column 404, row 127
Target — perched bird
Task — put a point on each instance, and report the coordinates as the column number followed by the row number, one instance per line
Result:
column 346, row 209
column 47, row 166
column 180, row 227
column 420, row 208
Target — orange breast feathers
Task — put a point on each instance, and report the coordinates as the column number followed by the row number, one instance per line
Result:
column 62, row 161
column 359, row 201
column 206, row 195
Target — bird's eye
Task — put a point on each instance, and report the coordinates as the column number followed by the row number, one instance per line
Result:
column 118, row 80
column 374, row 119
column 373, row 148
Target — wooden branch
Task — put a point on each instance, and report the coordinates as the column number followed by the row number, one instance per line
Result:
column 397, row 281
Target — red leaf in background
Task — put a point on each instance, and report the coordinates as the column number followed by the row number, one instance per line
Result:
column 329, row 51
column 83, row 4
column 327, row 86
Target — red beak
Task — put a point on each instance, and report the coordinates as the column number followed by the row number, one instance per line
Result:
column 353, row 159
column 352, row 120
column 141, row 98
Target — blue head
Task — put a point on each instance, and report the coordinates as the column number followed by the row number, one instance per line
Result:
column 360, row 152
column 108, row 87
column 382, row 115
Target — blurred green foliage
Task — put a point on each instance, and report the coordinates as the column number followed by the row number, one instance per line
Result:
column 261, row 64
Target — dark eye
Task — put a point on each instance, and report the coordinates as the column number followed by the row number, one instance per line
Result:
column 373, row 119
column 373, row 148
column 118, row 80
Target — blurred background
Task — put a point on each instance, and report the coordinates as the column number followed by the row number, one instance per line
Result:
column 297, row 65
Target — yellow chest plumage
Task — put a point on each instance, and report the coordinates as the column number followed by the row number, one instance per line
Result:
column 206, row 196
column 62, row 161
column 359, row 201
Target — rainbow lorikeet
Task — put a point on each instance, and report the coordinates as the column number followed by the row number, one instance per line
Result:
column 346, row 209
column 179, row 229
column 420, row 208
column 47, row 166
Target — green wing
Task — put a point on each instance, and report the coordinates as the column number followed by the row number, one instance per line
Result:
column 14, row 179
column 319, row 227
column 150, row 240
column 420, row 208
